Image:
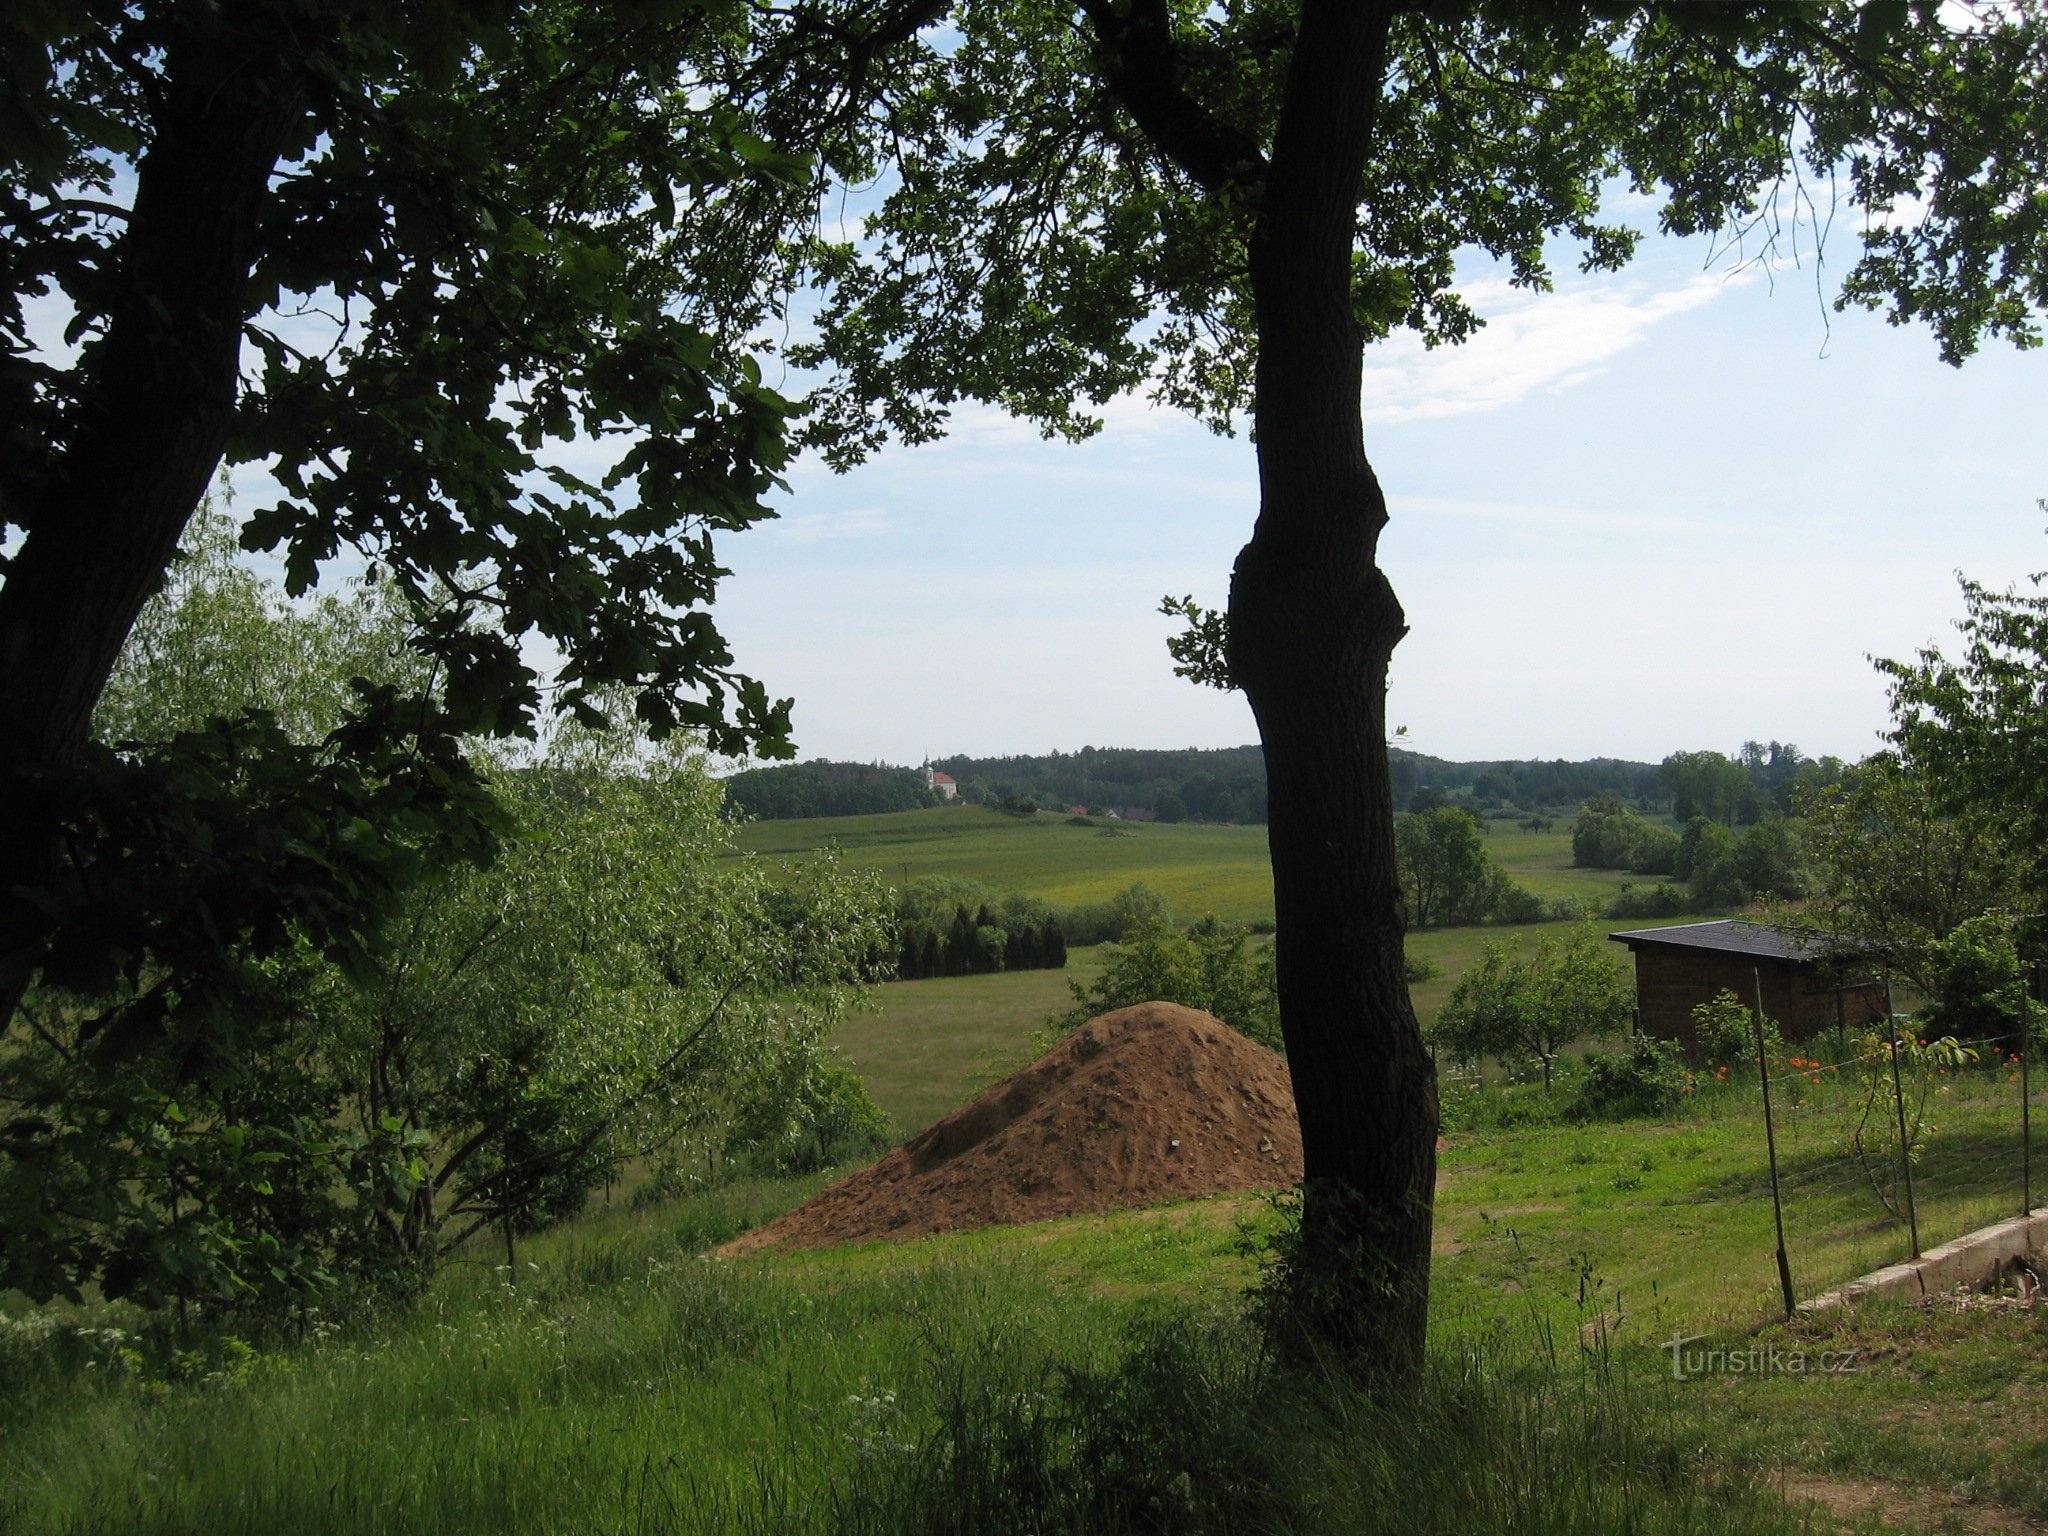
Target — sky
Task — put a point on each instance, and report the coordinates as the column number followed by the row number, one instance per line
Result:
column 1673, row 508
column 1677, row 507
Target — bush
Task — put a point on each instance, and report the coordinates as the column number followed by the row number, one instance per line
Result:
column 1727, row 1032
column 1659, row 900
column 832, row 1120
column 1134, row 910
column 1210, row 967
column 1644, row 1081
column 1418, row 969
column 1519, row 904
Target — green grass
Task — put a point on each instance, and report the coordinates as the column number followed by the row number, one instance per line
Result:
column 1089, row 1374
column 1197, row 868
column 929, row 1046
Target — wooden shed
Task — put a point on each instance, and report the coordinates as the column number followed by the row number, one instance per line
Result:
column 1805, row 989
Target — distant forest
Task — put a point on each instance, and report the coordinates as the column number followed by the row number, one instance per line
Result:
column 1223, row 785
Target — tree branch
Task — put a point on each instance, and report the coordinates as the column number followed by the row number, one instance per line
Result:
column 1142, row 65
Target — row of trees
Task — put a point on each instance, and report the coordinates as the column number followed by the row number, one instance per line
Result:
column 977, row 943
column 792, row 791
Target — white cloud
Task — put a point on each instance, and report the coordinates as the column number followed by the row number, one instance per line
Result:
column 1547, row 341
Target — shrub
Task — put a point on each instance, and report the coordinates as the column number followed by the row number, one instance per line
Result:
column 1659, row 900
column 1646, row 1080
column 1418, row 968
column 1727, row 1032
column 1519, row 904
column 1210, row 967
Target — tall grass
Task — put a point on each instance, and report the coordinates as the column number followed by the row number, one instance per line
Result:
column 626, row 1384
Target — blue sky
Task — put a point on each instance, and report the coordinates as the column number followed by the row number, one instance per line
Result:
column 1671, row 508
column 1676, row 507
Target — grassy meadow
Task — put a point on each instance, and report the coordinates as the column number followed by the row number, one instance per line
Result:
column 1105, row 1374
column 928, row 1046
column 929, row 1040
column 1081, row 1375
column 1198, row 868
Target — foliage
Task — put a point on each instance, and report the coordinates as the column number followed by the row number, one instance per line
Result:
column 1892, row 1084
column 1975, row 727
column 1528, row 1010
column 950, row 927
column 1645, row 1081
column 601, row 991
column 1659, row 900
column 1447, row 876
column 503, row 1040
column 431, row 228
column 1709, row 784
column 1212, row 967
column 443, row 297
column 821, row 788
column 219, row 640
column 1725, row 870
column 1727, row 1032
column 1900, row 865
column 1977, row 986
column 1608, row 835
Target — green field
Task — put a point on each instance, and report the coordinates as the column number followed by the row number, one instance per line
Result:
column 929, row 1046
column 1070, row 1376
column 1197, row 868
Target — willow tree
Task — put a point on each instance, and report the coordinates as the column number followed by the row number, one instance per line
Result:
column 1222, row 205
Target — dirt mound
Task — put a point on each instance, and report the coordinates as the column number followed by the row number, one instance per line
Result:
column 1143, row 1105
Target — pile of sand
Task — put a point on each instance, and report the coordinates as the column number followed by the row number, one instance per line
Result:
column 1140, row 1106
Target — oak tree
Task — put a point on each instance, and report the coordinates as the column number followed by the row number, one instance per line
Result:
column 1222, row 205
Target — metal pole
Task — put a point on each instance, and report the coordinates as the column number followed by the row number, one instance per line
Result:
column 1763, row 1072
column 2026, row 1126
column 1899, row 1099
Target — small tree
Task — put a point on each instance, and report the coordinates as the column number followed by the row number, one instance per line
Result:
column 1517, row 1010
column 1447, row 876
column 1727, row 1032
column 1211, row 967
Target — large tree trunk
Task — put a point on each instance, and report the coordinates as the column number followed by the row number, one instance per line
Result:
column 149, row 429
column 1313, row 624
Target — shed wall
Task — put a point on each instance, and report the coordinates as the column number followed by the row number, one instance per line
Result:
column 1670, row 983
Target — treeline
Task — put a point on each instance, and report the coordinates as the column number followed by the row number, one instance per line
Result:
column 1227, row 784
column 792, row 791
column 1531, row 785
column 947, row 927
column 1744, row 830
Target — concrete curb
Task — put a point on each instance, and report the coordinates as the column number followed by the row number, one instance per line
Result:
column 1971, row 1262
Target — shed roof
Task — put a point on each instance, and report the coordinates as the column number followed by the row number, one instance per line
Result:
column 1729, row 937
